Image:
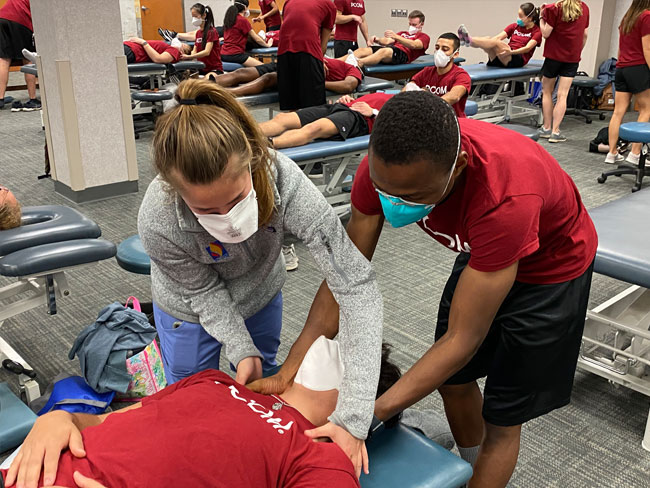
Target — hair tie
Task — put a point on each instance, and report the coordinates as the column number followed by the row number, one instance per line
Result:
column 187, row 101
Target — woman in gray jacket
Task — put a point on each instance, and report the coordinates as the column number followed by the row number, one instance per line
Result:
column 213, row 223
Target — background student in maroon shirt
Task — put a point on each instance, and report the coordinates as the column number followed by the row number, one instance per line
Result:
column 348, row 117
column 204, row 430
column 303, row 41
column 16, row 34
column 350, row 16
column 237, row 30
column 450, row 82
column 206, row 44
column 270, row 15
column 395, row 48
column 564, row 26
column 514, row 306
column 632, row 74
column 524, row 37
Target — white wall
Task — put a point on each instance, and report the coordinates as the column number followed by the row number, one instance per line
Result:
column 218, row 7
column 621, row 8
column 130, row 23
column 482, row 18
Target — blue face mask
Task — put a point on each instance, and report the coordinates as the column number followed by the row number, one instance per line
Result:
column 520, row 23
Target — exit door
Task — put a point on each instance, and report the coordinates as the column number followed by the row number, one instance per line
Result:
column 167, row 14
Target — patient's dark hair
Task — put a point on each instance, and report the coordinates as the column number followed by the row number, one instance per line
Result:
column 414, row 126
column 452, row 37
column 388, row 376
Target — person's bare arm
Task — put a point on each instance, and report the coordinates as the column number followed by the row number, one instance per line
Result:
column 324, row 38
column 546, row 28
column 323, row 319
column 364, row 30
column 187, row 36
column 501, row 36
column 645, row 41
column 524, row 49
column 344, row 19
column 454, row 95
column 348, row 85
column 200, row 54
column 476, row 300
column 409, row 43
column 584, row 38
column 255, row 37
column 274, row 10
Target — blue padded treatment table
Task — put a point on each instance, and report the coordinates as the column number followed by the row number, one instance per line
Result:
column 484, row 73
column 403, row 71
column 367, row 85
column 326, row 149
column 30, row 69
column 403, row 458
column 132, row 257
column 16, row 419
column 260, row 52
column 228, row 67
column 471, row 108
column 147, row 68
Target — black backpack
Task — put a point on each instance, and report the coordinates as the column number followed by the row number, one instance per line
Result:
column 603, row 138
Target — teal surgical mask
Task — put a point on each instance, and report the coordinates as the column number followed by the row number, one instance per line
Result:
column 520, row 23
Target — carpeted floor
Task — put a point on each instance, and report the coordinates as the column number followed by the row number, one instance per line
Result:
column 594, row 442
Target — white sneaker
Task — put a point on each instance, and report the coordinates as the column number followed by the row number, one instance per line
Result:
column 633, row 158
column 262, row 34
column 290, row 257
column 351, row 59
column 29, row 56
column 614, row 158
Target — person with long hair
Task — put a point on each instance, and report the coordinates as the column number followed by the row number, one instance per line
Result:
column 632, row 75
column 564, row 26
column 523, row 38
column 207, row 47
column 236, row 31
column 213, row 222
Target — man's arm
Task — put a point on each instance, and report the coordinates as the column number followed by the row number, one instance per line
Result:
column 344, row 19
column 409, row 43
column 528, row 47
column 187, row 36
column 274, row 10
column 454, row 95
column 364, row 30
column 476, row 300
column 348, row 85
column 324, row 38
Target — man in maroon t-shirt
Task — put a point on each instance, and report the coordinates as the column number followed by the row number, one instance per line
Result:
column 138, row 50
column 514, row 306
column 394, row 48
column 450, row 82
column 270, row 15
column 205, row 430
column 350, row 17
column 336, row 121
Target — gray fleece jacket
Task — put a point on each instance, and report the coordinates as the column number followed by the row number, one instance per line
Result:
column 220, row 289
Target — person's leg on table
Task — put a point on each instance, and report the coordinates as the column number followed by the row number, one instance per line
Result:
column 264, row 82
column 563, row 87
column 621, row 104
column 265, row 327
column 282, row 122
column 548, row 85
column 383, row 55
column 320, row 129
column 234, row 78
column 251, row 61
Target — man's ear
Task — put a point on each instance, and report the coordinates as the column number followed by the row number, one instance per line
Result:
column 461, row 163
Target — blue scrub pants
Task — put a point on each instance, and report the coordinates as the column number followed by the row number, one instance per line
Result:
column 187, row 348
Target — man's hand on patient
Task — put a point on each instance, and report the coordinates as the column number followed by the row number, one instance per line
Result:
column 273, row 385
column 249, row 369
column 363, row 108
column 82, row 482
column 354, row 448
column 51, row 434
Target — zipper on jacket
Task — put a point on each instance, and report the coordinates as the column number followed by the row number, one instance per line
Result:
column 326, row 242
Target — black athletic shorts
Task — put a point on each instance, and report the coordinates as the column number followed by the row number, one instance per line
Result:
column 531, row 350
column 632, row 79
column 274, row 28
column 239, row 58
column 517, row 61
column 130, row 56
column 301, row 81
column 399, row 56
column 263, row 69
column 341, row 48
column 552, row 69
column 14, row 37
column 348, row 122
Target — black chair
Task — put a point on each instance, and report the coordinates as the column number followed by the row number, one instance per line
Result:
column 632, row 132
column 583, row 88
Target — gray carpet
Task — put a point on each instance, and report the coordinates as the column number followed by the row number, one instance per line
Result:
column 596, row 441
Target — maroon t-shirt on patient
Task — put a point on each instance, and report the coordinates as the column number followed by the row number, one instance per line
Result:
column 499, row 216
column 160, row 47
column 207, row 430
column 413, row 53
column 338, row 70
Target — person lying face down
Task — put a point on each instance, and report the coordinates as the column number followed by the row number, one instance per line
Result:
column 205, row 430
column 10, row 212
column 338, row 121
column 138, row 50
column 340, row 77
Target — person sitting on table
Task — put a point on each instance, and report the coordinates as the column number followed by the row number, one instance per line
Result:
column 447, row 80
column 400, row 48
column 237, row 31
column 207, row 47
column 336, row 121
column 10, row 212
column 138, row 50
column 524, row 36
column 340, row 77
column 258, row 437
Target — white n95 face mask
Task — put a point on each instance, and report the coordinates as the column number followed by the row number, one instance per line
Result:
column 413, row 30
column 235, row 226
column 322, row 368
column 197, row 21
column 441, row 59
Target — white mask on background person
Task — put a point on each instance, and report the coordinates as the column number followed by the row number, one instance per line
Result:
column 176, row 42
column 322, row 368
column 247, row 13
column 441, row 59
column 197, row 21
column 413, row 30
column 237, row 225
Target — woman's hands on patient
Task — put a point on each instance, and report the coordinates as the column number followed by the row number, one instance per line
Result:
column 353, row 448
column 51, row 434
column 248, row 369
column 82, row 482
